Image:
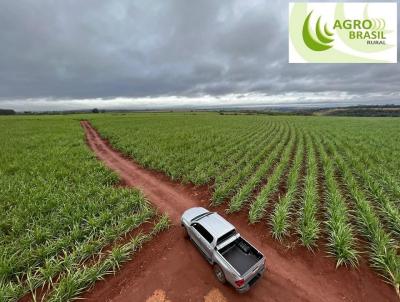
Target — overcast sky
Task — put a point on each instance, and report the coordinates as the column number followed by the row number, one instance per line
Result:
column 128, row 54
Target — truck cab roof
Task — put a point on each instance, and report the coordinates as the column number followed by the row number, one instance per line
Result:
column 215, row 224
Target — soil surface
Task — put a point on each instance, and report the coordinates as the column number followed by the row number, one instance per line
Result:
column 170, row 269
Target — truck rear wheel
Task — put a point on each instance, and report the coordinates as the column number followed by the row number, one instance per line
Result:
column 219, row 273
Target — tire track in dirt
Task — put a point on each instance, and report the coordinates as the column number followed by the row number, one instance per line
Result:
column 172, row 265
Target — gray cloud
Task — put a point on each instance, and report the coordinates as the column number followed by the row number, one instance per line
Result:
column 102, row 50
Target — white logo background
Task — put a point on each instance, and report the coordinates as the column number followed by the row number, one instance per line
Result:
column 342, row 52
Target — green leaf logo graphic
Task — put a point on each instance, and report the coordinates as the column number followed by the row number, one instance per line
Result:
column 323, row 36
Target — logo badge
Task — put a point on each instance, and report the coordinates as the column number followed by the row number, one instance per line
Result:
column 342, row 32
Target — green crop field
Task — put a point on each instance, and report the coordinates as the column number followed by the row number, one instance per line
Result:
column 325, row 182
column 59, row 208
column 307, row 178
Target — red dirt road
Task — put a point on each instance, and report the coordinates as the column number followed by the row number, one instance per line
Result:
column 169, row 268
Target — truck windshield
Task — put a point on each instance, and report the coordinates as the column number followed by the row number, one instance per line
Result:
column 226, row 236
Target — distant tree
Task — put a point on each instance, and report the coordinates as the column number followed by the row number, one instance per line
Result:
column 95, row 110
column 7, row 112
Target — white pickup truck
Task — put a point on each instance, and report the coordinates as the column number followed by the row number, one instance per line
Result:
column 234, row 259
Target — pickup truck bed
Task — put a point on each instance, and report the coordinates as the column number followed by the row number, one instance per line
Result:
column 241, row 255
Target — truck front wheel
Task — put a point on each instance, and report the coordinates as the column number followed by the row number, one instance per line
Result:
column 219, row 273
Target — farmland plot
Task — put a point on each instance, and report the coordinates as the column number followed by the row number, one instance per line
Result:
column 59, row 208
column 332, row 183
